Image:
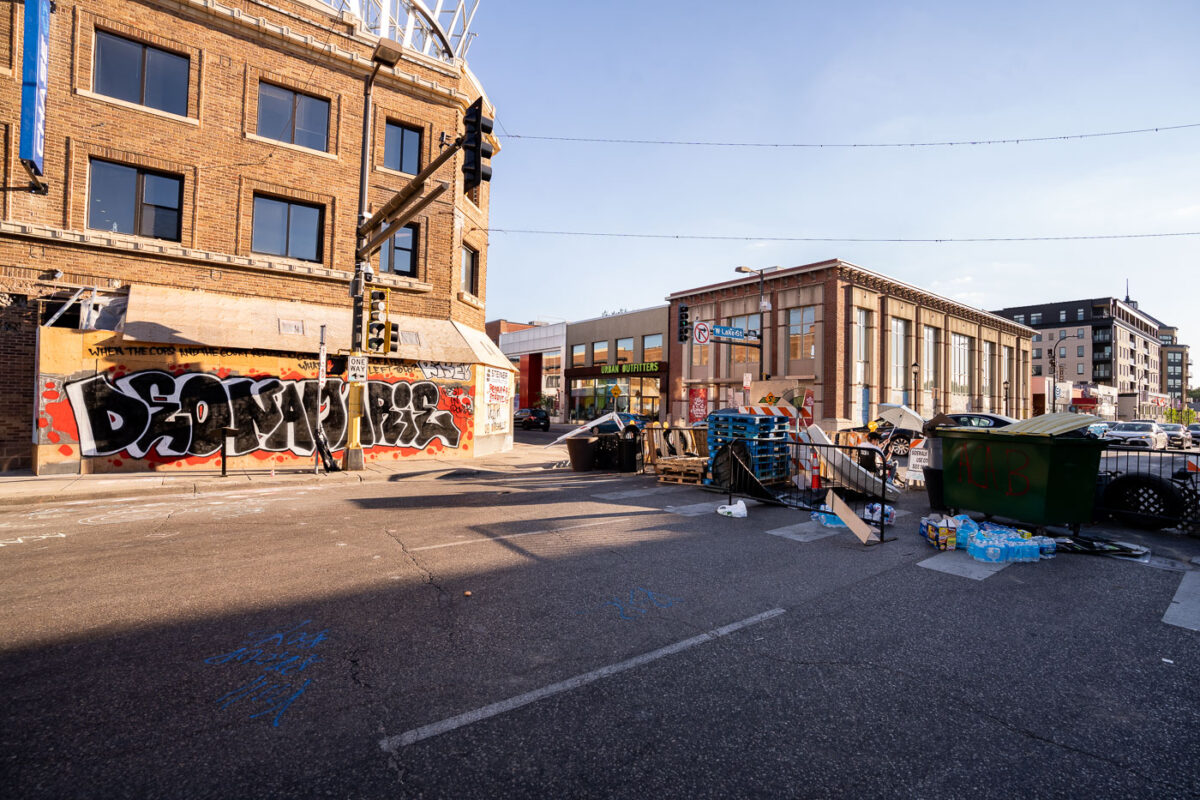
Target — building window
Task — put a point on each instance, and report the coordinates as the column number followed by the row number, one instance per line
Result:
column 930, row 357
column 1079, row 351
column 625, row 350
column 399, row 254
column 741, row 356
column 1019, row 318
column 862, row 345
column 960, row 364
column 578, row 355
column 802, row 333
column 139, row 73
column 470, row 270
column 898, row 347
column 288, row 116
column 1037, row 337
column 1037, row 369
column 1079, row 332
column 1062, row 315
column 599, row 353
column 285, row 228
column 1037, row 352
column 125, row 199
column 1062, row 334
column 402, row 148
column 1035, row 319
column 1079, row 313
column 652, row 347
column 1079, row 369
column 985, row 373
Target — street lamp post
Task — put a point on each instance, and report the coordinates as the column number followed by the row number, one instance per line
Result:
column 764, row 306
column 1007, row 413
column 387, row 54
column 916, row 384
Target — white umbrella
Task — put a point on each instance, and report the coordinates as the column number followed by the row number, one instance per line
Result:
column 901, row 417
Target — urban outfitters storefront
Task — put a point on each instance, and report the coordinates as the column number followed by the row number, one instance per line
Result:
column 635, row 388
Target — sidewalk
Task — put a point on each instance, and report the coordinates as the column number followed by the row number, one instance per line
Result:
column 25, row 489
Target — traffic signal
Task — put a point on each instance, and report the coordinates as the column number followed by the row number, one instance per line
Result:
column 392, row 343
column 377, row 321
column 359, row 302
column 476, row 149
column 685, row 323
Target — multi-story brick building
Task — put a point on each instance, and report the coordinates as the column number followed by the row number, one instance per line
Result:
column 1175, row 366
column 1104, row 341
column 853, row 336
column 198, row 235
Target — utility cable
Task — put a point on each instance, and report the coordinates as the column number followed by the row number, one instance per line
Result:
column 962, row 143
column 834, row 239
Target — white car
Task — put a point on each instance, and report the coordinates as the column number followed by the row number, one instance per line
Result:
column 1138, row 434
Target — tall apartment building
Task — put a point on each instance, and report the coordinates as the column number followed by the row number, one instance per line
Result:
column 193, row 233
column 856, row 338
column 1105, row 341
column 1176, row 367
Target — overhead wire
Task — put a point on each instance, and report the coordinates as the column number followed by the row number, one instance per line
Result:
column 837, row 239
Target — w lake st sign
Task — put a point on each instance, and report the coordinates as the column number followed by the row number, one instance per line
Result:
column 726, row 332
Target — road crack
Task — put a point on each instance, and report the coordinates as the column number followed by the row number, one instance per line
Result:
column 427, row 576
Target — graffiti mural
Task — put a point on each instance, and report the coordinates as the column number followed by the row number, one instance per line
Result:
column 135, row 407
column 188, row 415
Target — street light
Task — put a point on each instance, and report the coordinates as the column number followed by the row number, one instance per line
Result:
column 916, row 377
column 387, row 53
column 1007, row 413
column 764, row 305
column 1054, row 370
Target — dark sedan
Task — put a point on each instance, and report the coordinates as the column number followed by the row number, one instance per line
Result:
column 530, row 418
column 1177, row 435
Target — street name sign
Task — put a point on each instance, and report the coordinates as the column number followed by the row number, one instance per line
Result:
column 726, row 332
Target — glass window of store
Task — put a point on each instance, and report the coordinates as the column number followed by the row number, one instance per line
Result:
column 599, row 353
column 578, row 355
column 740, row 358
column 625, row 350
column 583, row 399
column 802, row 333
column 652, row 347
column 552, row 378
column 862, row 344
column 985, row 376
column 898, row 361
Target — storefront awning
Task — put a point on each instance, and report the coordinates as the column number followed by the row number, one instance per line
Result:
column 174, row 316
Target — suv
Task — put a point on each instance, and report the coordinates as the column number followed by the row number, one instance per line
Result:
column 530, row 418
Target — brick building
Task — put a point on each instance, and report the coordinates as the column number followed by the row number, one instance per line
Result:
column 203, row 170
column 853, row 336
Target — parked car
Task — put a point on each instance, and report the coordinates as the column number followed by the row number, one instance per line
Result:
column 530, row 418
column 900, row 442
column 1194, row 429
column 1177, row 435
column 975, row 419
column 1097, row 430
column 1138, row 434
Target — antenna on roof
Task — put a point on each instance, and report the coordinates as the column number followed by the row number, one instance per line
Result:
column 1127, row 290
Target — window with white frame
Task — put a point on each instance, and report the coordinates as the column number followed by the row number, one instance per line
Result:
column 802, row 333
column 929, row 359
column 960, row 363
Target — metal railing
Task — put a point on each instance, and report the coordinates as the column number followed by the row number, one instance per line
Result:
column 1149, row 489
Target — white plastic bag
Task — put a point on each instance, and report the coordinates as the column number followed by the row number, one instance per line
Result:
column 737, row 510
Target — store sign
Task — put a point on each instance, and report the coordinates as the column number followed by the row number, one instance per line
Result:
column 697, row 403
column 496, row 385
column 34, row 71
column 645, row 366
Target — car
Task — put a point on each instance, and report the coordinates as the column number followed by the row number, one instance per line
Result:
column 1194, row 429
column 899, row 442
column 1137, row 434
column 1097, row 430
column 976, row 419
column 1177, row 435
column 530, row 418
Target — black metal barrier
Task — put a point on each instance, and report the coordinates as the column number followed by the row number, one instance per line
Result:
column 1149, row 489
column 801, row 475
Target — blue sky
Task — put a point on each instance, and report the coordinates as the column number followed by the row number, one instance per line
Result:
column 847, row 72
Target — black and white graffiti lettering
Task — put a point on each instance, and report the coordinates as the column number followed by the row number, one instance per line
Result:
column 449, row 372
column 155, row 412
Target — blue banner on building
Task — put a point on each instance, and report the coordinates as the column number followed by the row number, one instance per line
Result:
column 35, row 69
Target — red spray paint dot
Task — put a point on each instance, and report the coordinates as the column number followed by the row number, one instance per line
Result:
column 65, row 450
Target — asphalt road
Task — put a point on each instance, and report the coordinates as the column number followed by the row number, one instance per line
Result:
column 620, row 640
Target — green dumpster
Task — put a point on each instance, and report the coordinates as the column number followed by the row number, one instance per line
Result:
column 1039, row 480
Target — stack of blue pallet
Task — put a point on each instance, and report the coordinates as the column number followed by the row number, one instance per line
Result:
column 765, row 437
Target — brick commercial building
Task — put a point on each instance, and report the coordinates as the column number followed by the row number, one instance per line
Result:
column 853, row 336
column 202, row 163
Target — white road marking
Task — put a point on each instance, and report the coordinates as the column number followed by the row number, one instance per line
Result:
column 805, row 532
column 486, row 539
column 960, row 563
column 393, row 743
column 1184, row 611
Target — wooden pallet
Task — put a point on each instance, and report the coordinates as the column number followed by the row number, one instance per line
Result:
column 682, row 470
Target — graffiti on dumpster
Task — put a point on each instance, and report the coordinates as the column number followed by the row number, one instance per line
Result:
column 176, row 415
